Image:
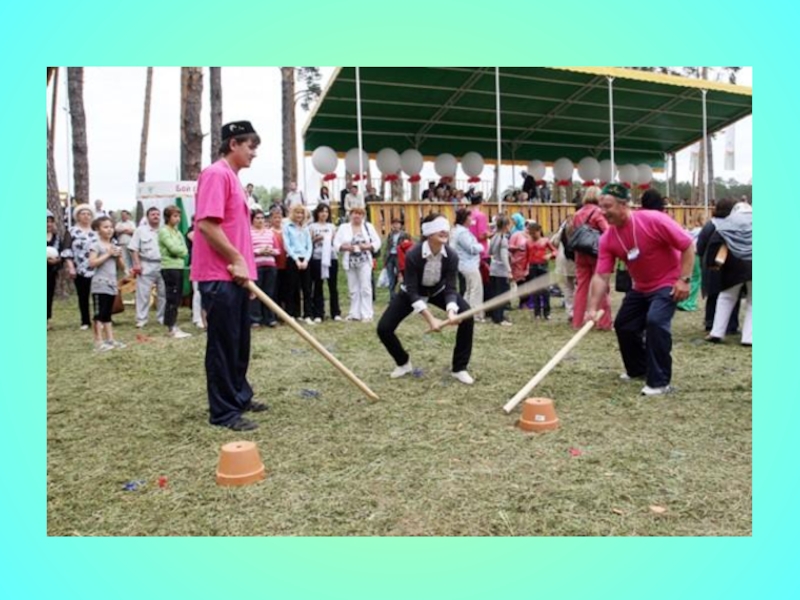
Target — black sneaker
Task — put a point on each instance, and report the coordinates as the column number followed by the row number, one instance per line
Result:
column 242, row 424
column 256, row 407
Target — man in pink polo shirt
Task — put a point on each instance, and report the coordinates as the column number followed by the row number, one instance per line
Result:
column 660, row 257
column 222, row 264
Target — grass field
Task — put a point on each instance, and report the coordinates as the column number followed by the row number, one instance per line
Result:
column 433, row 457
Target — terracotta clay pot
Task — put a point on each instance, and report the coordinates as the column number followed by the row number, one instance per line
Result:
column 538, row 414
column 239, row 464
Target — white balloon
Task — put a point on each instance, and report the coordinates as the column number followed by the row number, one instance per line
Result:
column 628, row 174
column 537, row 168
column 351, row 161
column 388, row 161
column 52, row 252
column 563, row 169
column 645, row 173
column 411, row 160
column 324, row 160
column 607, row 171
column 445, row 165
column 472, row 164
column 589, row 168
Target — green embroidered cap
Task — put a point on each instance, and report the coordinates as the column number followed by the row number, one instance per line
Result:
column 617, row 190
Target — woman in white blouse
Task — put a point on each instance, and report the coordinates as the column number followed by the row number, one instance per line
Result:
column 356, row 241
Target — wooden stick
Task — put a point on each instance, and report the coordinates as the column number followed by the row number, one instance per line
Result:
column 534, row 285
column 310, row 339
column 551, row 365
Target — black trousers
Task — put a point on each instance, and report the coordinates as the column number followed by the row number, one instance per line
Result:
column 83, row 285
column 497, row 286
column 173, row 288
column 317, row 292
column 297, row 281
column 644, row 332
column 541, row 299
column 400, row 307
column 227, row 349
column 267, row 280
column 52, row 275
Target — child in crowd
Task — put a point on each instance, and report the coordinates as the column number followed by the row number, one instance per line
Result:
column 500, row 268
column 540, row 251
column 104, row 257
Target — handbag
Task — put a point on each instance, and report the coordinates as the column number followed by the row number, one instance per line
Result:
column 585, row 239
column 119, row 305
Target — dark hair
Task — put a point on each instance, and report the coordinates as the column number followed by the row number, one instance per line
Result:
column 533, row 225
column 225, row 146
column 319, row 208
column 462, row 214
column 255, row 213
column 151, row 209
column 99, row 221
column 501, row 222
column 652, row 200
column 169, row 211
column 723, row 207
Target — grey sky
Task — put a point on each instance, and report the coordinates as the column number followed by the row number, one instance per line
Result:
column 113, row 98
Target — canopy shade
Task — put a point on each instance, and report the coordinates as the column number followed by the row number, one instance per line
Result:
column 547, row 112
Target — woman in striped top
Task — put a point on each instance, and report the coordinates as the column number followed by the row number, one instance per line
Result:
column 265, row 253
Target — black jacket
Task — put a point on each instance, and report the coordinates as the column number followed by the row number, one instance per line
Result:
column 415, row 266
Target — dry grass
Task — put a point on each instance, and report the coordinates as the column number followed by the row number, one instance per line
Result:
column 433, row 457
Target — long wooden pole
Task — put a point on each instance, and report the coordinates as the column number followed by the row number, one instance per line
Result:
column 310, row 339
column 520, row 396
column 534, row 285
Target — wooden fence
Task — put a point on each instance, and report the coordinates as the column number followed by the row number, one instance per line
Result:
column 550, row 216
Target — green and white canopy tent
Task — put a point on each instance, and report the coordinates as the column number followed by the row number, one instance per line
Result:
column 522, row 113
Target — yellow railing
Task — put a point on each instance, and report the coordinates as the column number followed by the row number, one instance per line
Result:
column 550, row 216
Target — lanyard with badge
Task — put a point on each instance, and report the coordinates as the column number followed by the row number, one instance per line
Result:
column 633, row 253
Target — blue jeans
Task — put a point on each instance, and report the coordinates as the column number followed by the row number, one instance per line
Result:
column 227, row 349
column 649, row 354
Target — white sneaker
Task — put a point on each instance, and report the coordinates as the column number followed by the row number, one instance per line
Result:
column 317, row 320
column 463, row 377
column 118, row 345
column 309, row 320
column 657, row 391
column 506, row 323
column 178, row 334
column 140, row 324
column 338, row 318
column 367, row 320
column 200, row 325
column 104, row 347
column 402, row 370
column 84, row 327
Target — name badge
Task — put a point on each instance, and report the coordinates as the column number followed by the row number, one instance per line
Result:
column 633, row 254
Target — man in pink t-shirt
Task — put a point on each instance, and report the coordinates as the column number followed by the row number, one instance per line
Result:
column 480, row 225
column 660, row 257
column 222, row 264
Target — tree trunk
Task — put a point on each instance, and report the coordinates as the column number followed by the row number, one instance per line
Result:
column 148, row 93
column 54, row 105
column 80, row 151
column 216, row 111
column 54, row 206
column 191, row 129
column 288, row 129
